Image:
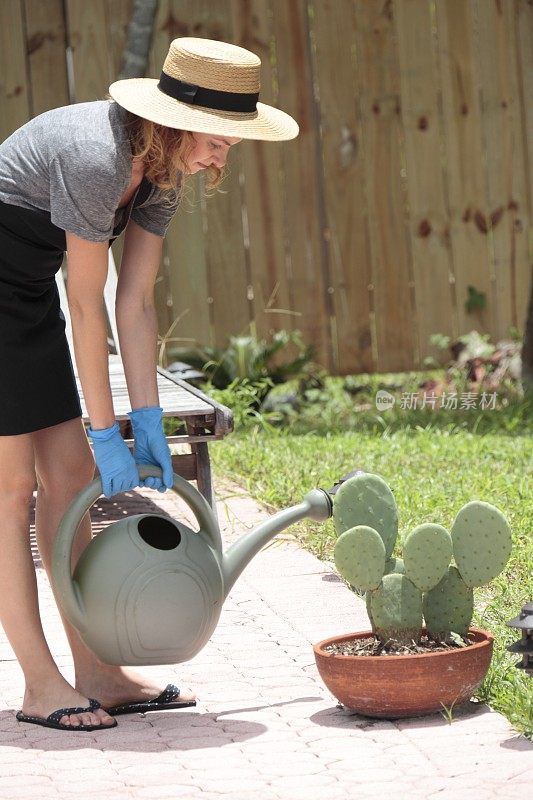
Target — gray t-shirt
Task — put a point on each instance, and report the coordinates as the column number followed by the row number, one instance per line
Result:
column 75, row 162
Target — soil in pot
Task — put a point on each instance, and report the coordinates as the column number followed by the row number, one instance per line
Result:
column 371, row 646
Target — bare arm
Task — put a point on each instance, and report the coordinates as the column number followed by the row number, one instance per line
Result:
column 136, row 314
column 87, row 273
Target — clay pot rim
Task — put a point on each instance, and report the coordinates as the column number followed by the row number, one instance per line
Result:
column 486, row 638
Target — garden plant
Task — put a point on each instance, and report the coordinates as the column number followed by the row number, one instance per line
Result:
column 424, row 585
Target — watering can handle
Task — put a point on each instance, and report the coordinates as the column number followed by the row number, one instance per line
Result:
column 62, row 552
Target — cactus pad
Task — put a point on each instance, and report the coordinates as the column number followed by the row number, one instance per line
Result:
column 449, row 606
column 391, row 565
column 396, row 609
column 360, row 557
column 482, row 542
column 427, row 552
column 367, row 500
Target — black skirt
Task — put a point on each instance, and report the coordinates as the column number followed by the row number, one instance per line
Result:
column 37, row 385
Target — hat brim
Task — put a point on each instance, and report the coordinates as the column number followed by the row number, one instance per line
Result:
column 141, row 96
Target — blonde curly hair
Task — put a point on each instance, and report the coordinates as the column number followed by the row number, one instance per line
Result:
column 164, row 152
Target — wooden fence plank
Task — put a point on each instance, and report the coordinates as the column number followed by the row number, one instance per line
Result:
column 509, row 220
column 15, row 99
column 306, row 262
column 91, row 49
column 464, row 155
column 524, row 54
column 46, row 37
column 333, row 32
column 426, row 192
column 377, row 63
column 266, row 241
column 118, row 18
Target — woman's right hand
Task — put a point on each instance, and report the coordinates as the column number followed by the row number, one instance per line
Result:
column 114, row 460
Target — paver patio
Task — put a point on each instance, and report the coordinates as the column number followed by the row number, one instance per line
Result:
column 264, row 727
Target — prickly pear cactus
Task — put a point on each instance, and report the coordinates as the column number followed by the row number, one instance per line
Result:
column 360, row 557
column 401, row 594
column 367, row 500
column 482, row 542
column 396, row 609
column 449, row 606
column 427, row 553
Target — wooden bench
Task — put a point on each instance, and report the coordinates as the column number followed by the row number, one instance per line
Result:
column 204, row 419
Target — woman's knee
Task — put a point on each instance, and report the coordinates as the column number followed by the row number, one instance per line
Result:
column 17, row 489
column 67, row 475
column 17, row 472
column 63, row 458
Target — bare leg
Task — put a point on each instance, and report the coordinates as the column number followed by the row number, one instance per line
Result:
column 64, row 465
column 46, row 689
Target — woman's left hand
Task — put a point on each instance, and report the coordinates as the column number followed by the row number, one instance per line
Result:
column 151, row 446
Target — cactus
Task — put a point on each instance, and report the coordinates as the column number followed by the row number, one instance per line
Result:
column 449, row 606
column 482, row 542
column 396, row 609
column 360, row 557
column 425, row 585
column 427, row 553
column 366, row 499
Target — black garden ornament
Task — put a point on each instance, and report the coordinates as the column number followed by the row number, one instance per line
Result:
column 524, row 622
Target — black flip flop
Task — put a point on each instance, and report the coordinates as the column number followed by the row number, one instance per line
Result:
column 162, row 702
column 52, row 720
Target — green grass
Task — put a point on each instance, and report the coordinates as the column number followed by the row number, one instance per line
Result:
column 434, row 461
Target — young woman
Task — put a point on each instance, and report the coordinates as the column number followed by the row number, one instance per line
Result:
column 73, row 179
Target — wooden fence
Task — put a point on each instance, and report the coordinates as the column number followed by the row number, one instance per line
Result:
column 410, row 180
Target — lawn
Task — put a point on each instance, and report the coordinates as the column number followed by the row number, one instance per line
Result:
column 434, row 460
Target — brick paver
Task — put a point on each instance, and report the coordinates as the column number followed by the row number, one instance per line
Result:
column 265, row 727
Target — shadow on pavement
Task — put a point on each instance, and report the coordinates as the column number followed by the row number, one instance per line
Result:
column 159, row 731
column 341, row 717
column 139, row 734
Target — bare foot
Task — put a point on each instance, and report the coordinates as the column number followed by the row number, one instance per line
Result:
column 43, row 699
column 114, row 686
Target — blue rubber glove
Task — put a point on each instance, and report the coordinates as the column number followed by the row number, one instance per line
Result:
column 151, row 446
column 114, row 460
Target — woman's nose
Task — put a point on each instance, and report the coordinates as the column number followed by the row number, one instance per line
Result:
column 220, row 159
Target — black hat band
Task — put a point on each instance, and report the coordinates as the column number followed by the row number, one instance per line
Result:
column 209, row 98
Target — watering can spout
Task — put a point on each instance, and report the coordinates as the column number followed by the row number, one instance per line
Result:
column 316, row 505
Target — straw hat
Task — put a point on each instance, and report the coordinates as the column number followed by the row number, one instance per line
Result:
column 209, row 87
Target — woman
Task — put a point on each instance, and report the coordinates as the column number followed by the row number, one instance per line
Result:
column 72, row 180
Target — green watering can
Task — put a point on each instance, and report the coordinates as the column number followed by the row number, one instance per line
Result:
column 148, row 589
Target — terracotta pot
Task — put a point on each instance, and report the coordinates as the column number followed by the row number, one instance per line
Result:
column 404, row 686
